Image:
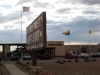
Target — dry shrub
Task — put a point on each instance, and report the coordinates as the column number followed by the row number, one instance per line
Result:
column 69, row 60
column 48, row 73
column 64, row 61
column 58, row 61
column 27, row 68
column 61, row 62
column 41, row 73
column 76, row 60
column 86, row 60
column 17, row 62
column 31, row 70
column 23, row 64
column 37, row 71
column 27, row 62
column 45, row 73
column 94, row 60
column 0, row 63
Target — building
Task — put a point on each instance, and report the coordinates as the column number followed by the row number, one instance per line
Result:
column 57, row 48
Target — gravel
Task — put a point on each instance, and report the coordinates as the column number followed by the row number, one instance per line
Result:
column 72, row 68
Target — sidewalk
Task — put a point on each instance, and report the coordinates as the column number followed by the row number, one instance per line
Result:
column 14, row 70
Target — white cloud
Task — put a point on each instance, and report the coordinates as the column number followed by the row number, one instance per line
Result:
column 8, row 2
column 78, row 16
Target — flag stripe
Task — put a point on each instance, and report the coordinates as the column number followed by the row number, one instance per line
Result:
column 26, row 9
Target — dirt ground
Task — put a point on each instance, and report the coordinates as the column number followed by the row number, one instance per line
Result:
column 67, row 68
column 73, row 68
column 3, row 70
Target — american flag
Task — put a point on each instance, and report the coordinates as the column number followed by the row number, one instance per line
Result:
column 26, row 9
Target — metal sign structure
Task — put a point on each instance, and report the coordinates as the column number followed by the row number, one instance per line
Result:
column 36, row 33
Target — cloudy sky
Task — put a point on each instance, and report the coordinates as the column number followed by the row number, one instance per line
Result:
column 77, row 15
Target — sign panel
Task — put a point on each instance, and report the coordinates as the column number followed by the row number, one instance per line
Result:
column 36, row 33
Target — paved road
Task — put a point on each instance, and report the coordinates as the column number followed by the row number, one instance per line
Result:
column 38, row 60
column 45, row 61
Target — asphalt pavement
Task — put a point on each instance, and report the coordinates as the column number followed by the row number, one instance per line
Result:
column 45, row 61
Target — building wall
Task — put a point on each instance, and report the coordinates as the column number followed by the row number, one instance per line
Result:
column 78, row 48
column 61, row 49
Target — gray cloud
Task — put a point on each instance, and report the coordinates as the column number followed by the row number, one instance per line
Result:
column 12, row 35
column 79, row 30
column 90, row 12
column 36, row 3
column 8, row 27
column 89, row 2
column 79, row 26
column 23, row 1
column 52, row 22
column 10, row 17
column 63, row 10
column 42, row 5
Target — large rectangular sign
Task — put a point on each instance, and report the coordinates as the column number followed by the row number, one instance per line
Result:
column 36, row 33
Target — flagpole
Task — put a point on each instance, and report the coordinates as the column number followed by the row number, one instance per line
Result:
column 67, row 33
column 69, row 40
column 21, row 32
column 89, row 41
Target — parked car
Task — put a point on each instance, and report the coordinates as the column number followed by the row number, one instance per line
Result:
column 14, row 56
column 98, row 54
column 71, row 54
column 84, row 55
column 27, row 56
column 94, row 54
column 44, row 56
column 68, row 55
column 74, row 54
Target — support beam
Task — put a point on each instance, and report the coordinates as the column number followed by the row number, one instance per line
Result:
column 6, row 49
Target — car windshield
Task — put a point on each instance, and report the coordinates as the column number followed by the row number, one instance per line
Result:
column 15, row 54
column 26, row 55
column 74, row 52
column 46, row 54
column 85, row 53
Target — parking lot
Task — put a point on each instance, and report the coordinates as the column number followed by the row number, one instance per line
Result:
column 47, row 61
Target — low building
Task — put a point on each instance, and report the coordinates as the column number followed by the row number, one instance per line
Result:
column 57, row 48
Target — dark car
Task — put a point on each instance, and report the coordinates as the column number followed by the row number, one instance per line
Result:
column 14, row 56
column 44, row 56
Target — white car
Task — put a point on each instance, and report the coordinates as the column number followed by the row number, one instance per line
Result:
column 27, row 56
column 84, row 55
column 93, row 54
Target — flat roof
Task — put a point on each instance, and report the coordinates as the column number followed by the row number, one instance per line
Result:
column 12, row 43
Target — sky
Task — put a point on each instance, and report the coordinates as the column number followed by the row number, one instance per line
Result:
column 61, row 15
